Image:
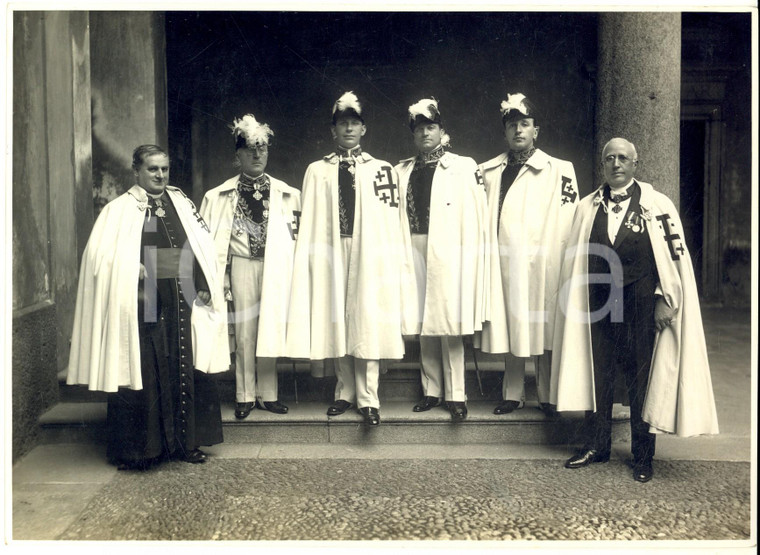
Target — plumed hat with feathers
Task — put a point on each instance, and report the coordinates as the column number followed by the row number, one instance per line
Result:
column 249, row 133
column 347, row 105
column 517, row 106
column 426, row 110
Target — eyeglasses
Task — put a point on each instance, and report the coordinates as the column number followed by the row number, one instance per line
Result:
column 258, row 149
column 622, row 158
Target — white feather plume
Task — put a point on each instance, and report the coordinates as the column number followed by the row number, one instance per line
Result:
column 255, row 133
column 514, row 102
column 347, row 101
column 425, row 108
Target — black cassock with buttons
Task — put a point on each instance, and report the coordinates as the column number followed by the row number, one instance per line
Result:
column 177, row 410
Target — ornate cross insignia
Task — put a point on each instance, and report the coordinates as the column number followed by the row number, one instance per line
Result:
column 675, row 248
column 200, row 219
column 197, row 215
column 385, row 188
column 293, row 226
column 568, row 193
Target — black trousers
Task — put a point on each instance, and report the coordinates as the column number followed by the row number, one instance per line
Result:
column 627, row 347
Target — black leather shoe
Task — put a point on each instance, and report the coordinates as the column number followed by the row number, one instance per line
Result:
column 339, row 407
column 586, row 457
column 243, row 409
column 643, row 472
column 371, row 415
column 427, row 403
column 549, row 410
column 458, row 411
column 505, row 407
column 196, row 456
column 273, row 406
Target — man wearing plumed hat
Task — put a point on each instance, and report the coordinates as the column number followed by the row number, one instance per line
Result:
column 346, row 294
column 443, row 219
column 253, row 220
column 531, row 202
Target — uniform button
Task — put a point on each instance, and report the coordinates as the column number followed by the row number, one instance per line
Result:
column 181, row 319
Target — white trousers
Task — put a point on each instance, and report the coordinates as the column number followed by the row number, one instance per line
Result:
column 358, row 378
column 442, row 358
column 513, row 386
column 255, row 378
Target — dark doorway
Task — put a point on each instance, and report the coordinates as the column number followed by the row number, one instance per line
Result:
column 692, row 191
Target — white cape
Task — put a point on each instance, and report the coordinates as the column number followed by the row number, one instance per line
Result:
column 679, row 396
column 105, row 343
column 218, row 209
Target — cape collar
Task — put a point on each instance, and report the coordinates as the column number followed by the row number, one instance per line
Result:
column 520, row 158
column 645, row 202
column 333, row 158
column 231, row 184
column 139, row 194
column 444, row 161
column 425, row 158
column 538, row 161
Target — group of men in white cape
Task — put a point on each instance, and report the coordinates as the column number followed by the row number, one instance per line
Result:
column 369, row 254
column 359, row 285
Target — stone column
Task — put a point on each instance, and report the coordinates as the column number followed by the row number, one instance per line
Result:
column 639, row 92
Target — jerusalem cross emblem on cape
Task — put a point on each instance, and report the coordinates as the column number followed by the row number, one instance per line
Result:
column 568, row 193
column 385, row 188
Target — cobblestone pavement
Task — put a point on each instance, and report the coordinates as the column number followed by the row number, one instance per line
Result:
column 247, row 499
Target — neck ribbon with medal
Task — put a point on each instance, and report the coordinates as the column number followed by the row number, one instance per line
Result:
column 347, row 158
column 633, row 221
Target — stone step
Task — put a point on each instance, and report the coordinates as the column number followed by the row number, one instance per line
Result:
column 307, row 422
column 400, row 381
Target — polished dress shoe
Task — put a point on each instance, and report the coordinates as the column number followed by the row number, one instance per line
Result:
column 243, row 409
column 339, row 407
column 643, row 471
column 586, row 457
column 196, row 456
column 458, row 411
column 505, row 407
column 272, row 406
column 427, row 403
column 371, row 415
column 549, row 410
